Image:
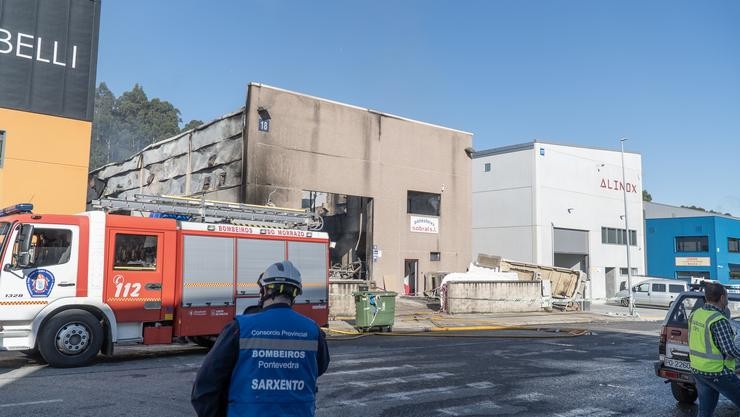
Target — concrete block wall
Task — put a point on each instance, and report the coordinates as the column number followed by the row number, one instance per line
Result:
column 493, row 297
column 341, row 300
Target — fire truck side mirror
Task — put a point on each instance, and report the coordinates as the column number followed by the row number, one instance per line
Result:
column 24, row 246
column 24, row 259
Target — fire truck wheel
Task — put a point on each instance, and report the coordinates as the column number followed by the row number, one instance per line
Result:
column 70, row 338
column 205, row 341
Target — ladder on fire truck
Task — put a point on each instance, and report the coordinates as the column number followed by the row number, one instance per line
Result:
column 210, row 211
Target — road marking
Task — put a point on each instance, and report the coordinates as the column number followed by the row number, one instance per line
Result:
column 542, row 352
column 406, row 395
column 357, row 361
column 481, row 385
column 370, row 370
column 462, row 410
column 16, row 374
column 402, row 380
column 31, row 403
column 352, row 403
column 559, row 344
column 424, row 348
column 611, row 386
column 409, row 395
column 588, row 412
column 186, row 365
column 532, row 396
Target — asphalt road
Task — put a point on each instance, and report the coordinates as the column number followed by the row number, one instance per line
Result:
column 608, row 373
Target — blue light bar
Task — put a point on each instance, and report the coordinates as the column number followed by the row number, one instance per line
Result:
column 181, row 217
column 16, row 209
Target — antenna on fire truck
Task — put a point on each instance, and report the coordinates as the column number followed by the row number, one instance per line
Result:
column 200, row 209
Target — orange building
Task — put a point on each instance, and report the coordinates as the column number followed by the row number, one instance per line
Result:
column 48, row 54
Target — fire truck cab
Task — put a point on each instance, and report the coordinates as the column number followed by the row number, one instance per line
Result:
column 72, row 286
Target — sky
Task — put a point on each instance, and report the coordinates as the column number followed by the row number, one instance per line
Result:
column 663, row 74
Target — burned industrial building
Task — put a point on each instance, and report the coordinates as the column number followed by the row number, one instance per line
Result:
column 394, row 193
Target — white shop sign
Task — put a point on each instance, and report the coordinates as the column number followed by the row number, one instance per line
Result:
column 424, row 224
column 693, row 261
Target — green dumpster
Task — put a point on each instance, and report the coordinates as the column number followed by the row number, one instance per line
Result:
column 375, row 310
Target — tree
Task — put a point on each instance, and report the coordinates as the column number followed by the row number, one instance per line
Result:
column 192, row 124
column 103, row 126
column 693, row 207
column 123, row 126
column 646, row 196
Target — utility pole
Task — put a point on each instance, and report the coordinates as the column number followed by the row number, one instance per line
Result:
column 627, row 235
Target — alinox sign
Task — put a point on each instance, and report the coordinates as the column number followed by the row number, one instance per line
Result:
column 618, row 185
column 48, row 55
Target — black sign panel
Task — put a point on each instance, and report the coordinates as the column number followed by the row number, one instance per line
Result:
column 48, row 56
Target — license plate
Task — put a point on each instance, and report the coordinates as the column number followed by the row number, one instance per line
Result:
column 683, row 365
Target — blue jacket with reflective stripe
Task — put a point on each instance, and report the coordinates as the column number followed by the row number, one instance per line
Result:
column 276, row 371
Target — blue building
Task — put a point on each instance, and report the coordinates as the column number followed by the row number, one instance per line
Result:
column 684, row 243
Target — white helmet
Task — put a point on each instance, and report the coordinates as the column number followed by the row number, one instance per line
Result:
column 281, row 275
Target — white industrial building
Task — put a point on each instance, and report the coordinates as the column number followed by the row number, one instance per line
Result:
column 560, row 205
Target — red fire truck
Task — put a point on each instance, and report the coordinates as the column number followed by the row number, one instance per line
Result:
column 75, row 285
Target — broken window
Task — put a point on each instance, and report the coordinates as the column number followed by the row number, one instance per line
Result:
column 348, row 222
column 423, row 203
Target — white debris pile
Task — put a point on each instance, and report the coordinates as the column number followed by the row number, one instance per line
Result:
column 474, row 273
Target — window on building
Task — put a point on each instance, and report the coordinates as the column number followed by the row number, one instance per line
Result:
column 434, row 256
column 487, row 167
column 733, row 244
column 659, row 287
column 423, row 203
column 623, row 271
column 50, row 247
column 687, row 275
column 675, row 288
column 692, row 244
column 611, row 236
column 614, row 236
column 734, row 271
column 136, row 252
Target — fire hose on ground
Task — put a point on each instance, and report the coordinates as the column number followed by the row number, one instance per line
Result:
column 540, row 333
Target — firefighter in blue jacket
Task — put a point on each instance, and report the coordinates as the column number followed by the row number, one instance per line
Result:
column 266, row 363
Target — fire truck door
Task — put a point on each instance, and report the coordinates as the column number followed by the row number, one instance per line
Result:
column 133, row 283
column 51, row 273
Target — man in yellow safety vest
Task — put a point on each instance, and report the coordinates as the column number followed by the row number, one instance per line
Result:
column 713, row 351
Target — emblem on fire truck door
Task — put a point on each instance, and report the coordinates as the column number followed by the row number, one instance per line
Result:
column 39, row 283
column 126, row 289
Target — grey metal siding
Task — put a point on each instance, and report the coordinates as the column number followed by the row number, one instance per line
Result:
column 253, row 257
column 208, row 271
column 310, row 259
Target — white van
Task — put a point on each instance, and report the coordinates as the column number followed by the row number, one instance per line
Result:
column 654, row 291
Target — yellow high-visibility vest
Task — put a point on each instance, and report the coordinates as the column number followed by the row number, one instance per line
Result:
column 705, row 355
